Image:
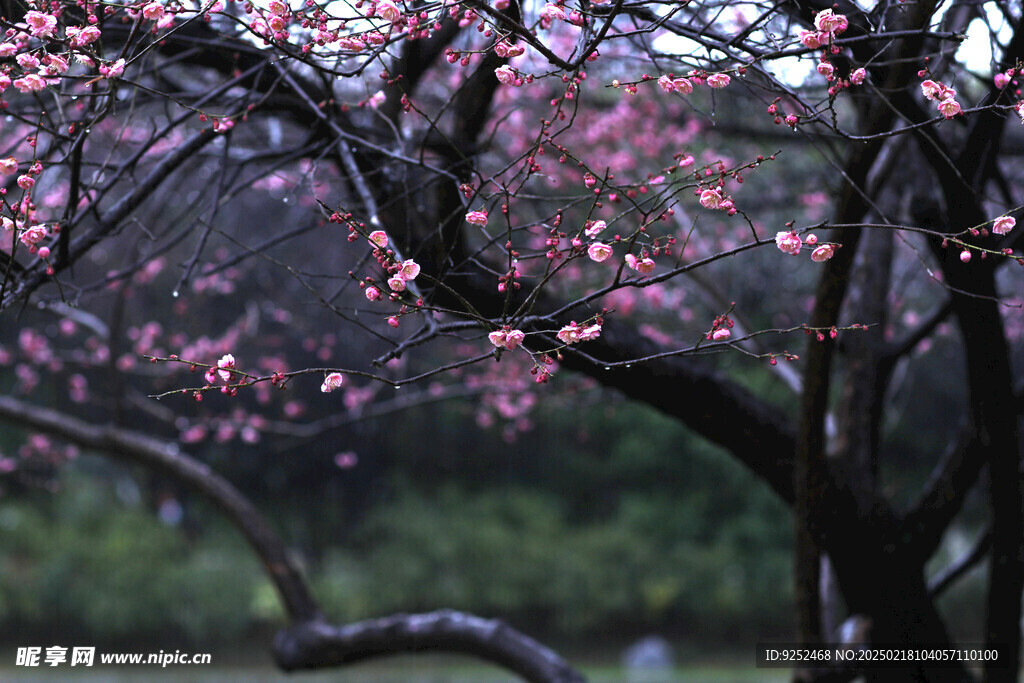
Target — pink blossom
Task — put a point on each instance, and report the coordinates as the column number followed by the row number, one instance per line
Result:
column 26, row 182
column 514, row 338
column 683, row 85
column 30, row 83
column 83, row 36
column 719, row 80
column 373, row 294
column 8, row 50
column 278, row 7
column 711, row 199
column 41, row 25
column 830, row 22
column 508, row 50
column 225, row 365
column 811, row 240
column 570, row 334
column 810, row 39
column 599, row 252
column 1001, row 80
column 721, row 334
column 686, row 161
column 826, row 69
column 507, row 339
column 393, row 321
column 965, row 256
column 1003, row 224
column 114, row 70
column 949, row 108
column 590, row 332
column 552, row 11
column 645, row 266
column 27, row 61
column 331, row 382
column 409, row 270
column 55, row 64
column 858, row 75
column 505, row 74
column 498, row 338
column 376, row 99
column 353, row 43
column 931, row 90
column 153, row 11
column 379, row 238
column 397, row 284
column 788, row 241
column 388, row 11
column 594, row 228
column 167, row 20
column 477, row 218
column 8, row 166
column 823, row 253
column 33, row 235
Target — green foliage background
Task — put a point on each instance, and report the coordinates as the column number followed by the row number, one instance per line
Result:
column 584, row 530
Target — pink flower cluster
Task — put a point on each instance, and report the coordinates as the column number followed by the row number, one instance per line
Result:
column 720, row 329
column 507, row 50
column 680, row 85
column 715, row 198
column 670, row 83
column 223, row 369
column 477, row 218
column 643, row 265
column 573, row 333
column 506, row 339
column 407, row 272
column 790, row 243
column 944, row 95
column 401, row 273
column 828, row 25
column 594, row 228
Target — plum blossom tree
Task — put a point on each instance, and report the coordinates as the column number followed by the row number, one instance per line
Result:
column 557, row 187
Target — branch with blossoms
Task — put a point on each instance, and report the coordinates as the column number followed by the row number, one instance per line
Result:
column 519, row 171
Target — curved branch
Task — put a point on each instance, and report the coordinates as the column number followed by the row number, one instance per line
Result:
column 314, row 645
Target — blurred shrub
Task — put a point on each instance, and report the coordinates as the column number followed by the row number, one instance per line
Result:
column 82, row 565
